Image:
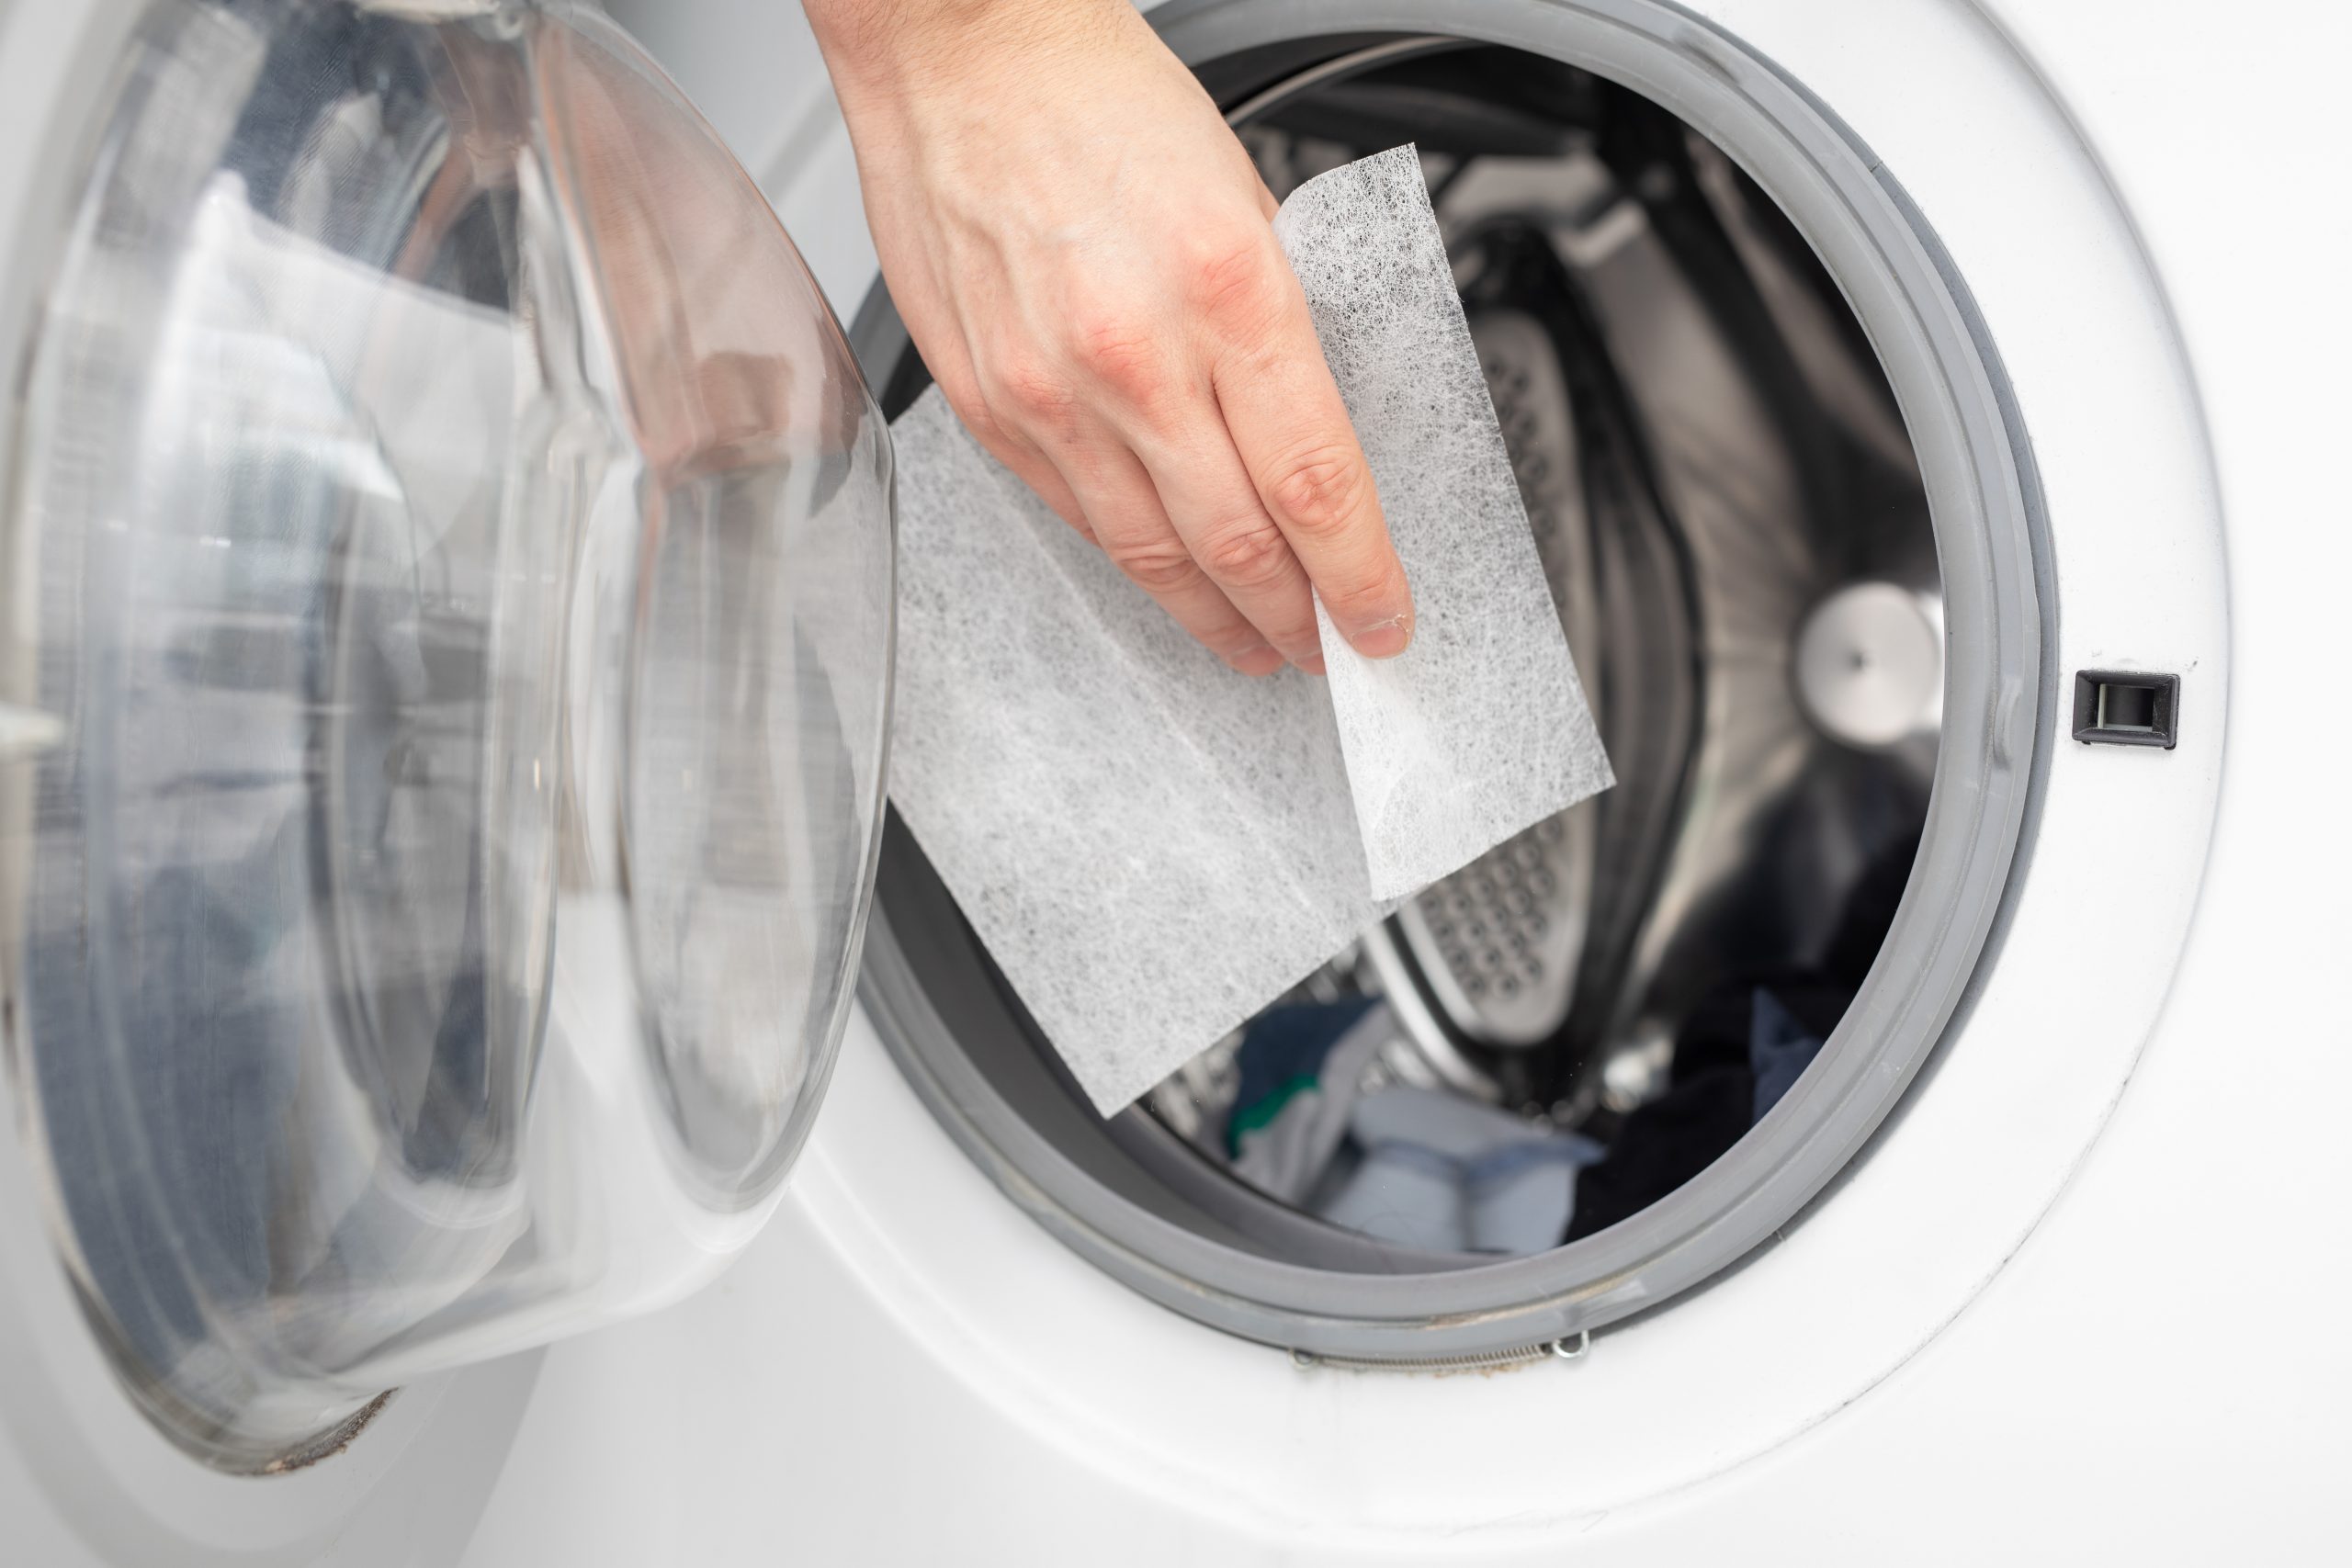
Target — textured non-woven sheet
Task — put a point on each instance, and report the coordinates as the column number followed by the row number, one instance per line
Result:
column 1153, row 847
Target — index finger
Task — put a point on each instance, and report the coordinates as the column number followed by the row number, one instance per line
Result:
column 1292, row 430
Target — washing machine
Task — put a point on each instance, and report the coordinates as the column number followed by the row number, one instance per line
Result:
column 490, row 1082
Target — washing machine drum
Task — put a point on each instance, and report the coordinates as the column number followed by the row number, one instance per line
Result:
column 447, row 634
column 1607, row 1058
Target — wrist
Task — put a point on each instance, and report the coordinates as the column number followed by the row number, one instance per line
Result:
column 881, row 48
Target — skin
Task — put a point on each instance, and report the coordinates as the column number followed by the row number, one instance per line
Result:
column 1083, row 254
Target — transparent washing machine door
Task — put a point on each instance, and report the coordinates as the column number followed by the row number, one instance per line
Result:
column 445, row 647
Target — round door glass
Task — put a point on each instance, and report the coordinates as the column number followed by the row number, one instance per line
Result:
column 446, row 652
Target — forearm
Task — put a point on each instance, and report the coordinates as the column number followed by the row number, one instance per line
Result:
column 883, row 50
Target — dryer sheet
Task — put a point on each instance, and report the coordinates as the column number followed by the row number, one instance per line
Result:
column 1153, row 847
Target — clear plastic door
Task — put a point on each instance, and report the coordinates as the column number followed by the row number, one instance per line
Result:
column 447, row 648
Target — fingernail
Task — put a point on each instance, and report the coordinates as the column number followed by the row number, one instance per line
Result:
column 1255, row 660
column 1383, row 639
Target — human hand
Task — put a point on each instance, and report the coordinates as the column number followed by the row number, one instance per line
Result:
column 1083, row 254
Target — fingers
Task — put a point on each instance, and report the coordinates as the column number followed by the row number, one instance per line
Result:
column 1214, row 510
column 1293, row 436
column 1132, row 526
column 1083, row 470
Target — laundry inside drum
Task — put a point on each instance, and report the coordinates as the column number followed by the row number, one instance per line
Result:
column 1736, row 534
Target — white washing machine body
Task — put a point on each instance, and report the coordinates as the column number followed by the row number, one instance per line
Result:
column 2076, row 1300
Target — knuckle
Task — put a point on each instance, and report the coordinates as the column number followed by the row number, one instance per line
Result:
column 1156, row 569
column 1233, row 641
column 1319, row 492
column 999, row 443
column 1348, row 600
column 964, row 395
column 1252, row 554
column 1230, row 280
column 1030, row 392
column 1120, row 353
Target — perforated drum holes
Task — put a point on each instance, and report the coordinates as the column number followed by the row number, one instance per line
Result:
column 2127, row 708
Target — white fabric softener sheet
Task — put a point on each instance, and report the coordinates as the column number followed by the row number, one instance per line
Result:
column 1153, row 847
